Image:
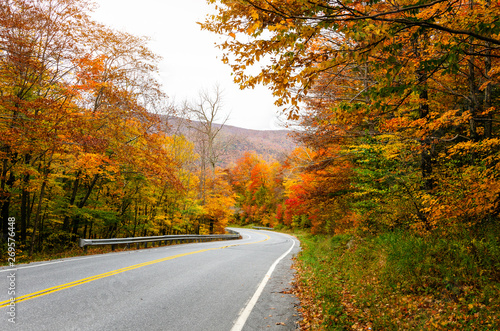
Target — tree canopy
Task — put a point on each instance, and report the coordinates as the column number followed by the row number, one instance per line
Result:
column 398, row 102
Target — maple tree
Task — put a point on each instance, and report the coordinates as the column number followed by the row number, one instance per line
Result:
column 338, row 33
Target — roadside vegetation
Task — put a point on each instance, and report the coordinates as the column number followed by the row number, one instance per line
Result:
column 399, row 281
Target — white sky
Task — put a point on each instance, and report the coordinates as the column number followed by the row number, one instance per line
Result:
column 190, row 60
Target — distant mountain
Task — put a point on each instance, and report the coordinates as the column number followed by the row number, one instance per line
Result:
column 270, row 144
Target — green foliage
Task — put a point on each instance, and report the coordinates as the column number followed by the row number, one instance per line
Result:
column 430, row 263
column 383, row 186
column 59, row 241
column 397, row 281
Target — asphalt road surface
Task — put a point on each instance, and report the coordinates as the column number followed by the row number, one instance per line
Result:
column 225, row 285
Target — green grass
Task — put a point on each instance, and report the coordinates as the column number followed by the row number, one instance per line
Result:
column 400, row 281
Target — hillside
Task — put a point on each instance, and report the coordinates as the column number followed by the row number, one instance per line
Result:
column 270, row 144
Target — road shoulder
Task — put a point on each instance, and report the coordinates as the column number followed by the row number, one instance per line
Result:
column 277, row 308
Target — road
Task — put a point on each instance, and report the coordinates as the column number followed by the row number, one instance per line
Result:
column 225, row 285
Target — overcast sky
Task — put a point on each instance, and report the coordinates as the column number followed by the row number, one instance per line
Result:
column 190, row 60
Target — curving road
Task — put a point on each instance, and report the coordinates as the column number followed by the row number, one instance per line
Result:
column 226, row 285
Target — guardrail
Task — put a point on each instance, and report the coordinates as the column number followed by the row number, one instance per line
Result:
column 262, row 228
column 172, row 239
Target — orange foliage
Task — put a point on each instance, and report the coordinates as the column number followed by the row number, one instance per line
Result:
column 258, row 186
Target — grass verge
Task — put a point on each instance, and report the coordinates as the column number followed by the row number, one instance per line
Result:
column 399, row 281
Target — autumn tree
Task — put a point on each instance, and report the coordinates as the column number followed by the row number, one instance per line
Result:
column 220, row 200
column 38, row 103
column 122, row 96
column 257, row 183
column 81, row 143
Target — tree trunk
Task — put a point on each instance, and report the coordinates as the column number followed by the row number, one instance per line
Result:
column 5, row 212
column 25, row 204
column 473, row 100
column 72, row 199
column 135, row 219
column 41, row 232
column 85, row 229
column 25, row 200
column 90, row 230
column 37, row 215
column 488, row 123
column 76, row 220
column 426, row 144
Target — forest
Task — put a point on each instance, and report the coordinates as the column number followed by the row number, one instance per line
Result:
column 394, row 189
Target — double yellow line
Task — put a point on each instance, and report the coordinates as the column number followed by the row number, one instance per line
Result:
column 111, row 273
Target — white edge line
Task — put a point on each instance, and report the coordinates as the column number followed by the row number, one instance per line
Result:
column 68, row 259
column 245, row 313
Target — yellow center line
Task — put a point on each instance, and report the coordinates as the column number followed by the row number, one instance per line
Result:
column 111, row 273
